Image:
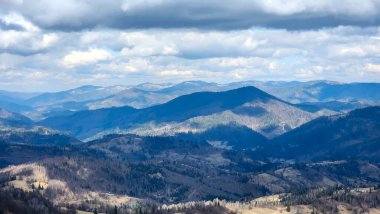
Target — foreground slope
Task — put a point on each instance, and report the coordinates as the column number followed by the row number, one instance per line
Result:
column 195, row 112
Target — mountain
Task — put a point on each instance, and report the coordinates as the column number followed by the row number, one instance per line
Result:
column 135, row 97
column 81, row 94
column 13, row 101
column 14, row 96
column 13, row 119
column 321, row 91
column 18, row 129
column 6, row 96
column 346, row 136
column 337, row 106
column 148, row 94
column 35, row 136
column 325, row 95
column 190, row 87
column 195, row 112
column 9, row 106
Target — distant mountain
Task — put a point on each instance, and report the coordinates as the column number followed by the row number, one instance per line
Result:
column 152, row 86
column 337, row 106
column 11, row 119
column 135, row 97
column 149, row 94
column 321, row 91
column 196, row 112
column 7, row 97
column 14, row 96
column 13, row 101
column 9, row 106
column 80, row 94
column 190, row 87
column 323, row 95
column 352, row 135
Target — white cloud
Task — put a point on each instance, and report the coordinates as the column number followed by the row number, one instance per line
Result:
column 183, row 73
column 373, row 67
column 130, row 5
column 352, row 7
column 92, row 56
column 49, row 39
column 362, row 49
column 17, row 19
column 128, row 57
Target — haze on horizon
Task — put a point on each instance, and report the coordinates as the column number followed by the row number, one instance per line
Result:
column 49, row 45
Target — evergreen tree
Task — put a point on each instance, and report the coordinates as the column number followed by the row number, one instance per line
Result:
column 288, row 208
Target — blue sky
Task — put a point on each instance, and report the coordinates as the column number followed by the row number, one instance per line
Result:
column 55, row 45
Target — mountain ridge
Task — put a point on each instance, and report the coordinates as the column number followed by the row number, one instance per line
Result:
column 197, row 106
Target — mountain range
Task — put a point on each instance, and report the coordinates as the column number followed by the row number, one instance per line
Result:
column 237, row 144
column 329, row 95
column 195, row 112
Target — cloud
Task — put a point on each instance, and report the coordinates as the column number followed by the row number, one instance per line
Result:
column 186, row 73
column 79, row 58
column 373, row 67
column 22, row 37
column 56, row 60
column 18, row 20
column 72, row 15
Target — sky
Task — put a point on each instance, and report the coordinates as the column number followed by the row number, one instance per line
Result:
column 50, row 45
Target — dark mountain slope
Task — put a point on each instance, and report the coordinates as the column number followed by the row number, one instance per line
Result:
column 228, row 136
column 204, row 103
column 89, row 122
column 352, row 135
column 353, row 91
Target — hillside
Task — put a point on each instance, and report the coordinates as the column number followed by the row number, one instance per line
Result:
column 229, row 136
column 123, row 170
column 351, row 135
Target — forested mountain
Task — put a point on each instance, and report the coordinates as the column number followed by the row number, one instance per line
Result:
column 346, row 136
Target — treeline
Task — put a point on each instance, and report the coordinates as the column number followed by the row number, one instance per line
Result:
column 18, row 201
column 196, row 207
column 327, row 200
